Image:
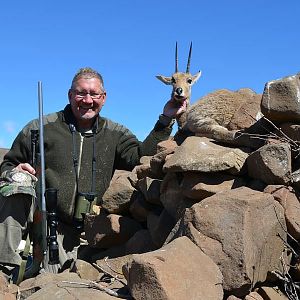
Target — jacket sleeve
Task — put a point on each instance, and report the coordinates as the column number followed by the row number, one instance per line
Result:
column 20, row 150
column 130, row 150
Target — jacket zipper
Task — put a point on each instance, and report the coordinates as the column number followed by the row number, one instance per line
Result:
column 78, row 170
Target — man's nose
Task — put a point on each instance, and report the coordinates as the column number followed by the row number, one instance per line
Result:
column 88, row 98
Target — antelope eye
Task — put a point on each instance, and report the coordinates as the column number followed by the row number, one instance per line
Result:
column 189, row 81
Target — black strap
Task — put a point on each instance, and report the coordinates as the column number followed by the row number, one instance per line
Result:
column 76, row 160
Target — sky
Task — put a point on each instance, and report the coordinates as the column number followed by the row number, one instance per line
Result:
column 236, row 44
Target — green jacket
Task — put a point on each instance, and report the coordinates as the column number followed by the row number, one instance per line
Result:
column 116, row 148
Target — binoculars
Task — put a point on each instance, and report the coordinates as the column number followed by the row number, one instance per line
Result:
column 83, row 205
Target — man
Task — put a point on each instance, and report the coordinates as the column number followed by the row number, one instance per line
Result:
column 82, row 151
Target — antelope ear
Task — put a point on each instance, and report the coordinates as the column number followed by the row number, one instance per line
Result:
column 164, row 79
column 196, row 76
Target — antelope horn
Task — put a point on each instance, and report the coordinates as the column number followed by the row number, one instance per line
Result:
column 176, row 59
column 189, row 59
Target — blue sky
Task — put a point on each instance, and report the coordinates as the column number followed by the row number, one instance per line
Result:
column 236, row 44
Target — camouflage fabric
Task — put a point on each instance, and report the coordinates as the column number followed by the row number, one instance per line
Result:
column 17, row 182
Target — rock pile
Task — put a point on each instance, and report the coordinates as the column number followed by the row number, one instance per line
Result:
column 202, row 219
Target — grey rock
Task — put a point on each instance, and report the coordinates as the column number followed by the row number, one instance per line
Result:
column 271, row 163
column 201, row 154
column 281, row 99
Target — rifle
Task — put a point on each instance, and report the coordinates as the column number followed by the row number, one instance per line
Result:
column 48, row 196
column 45, row 249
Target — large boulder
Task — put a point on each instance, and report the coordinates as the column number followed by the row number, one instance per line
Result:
column 60, row 286
column 150, row 188
column 203, row 155
column 198, row 185
column 172, row 198
column 281, row 99
column 179, row 270
column 105, row 231
column 243, row 231
column 288, row 198
column 271, row 163
column 117, row 197
column 160, row 226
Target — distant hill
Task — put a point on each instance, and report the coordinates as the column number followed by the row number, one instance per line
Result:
column 2, row 153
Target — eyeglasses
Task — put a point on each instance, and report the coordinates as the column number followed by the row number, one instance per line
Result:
column 81, row 95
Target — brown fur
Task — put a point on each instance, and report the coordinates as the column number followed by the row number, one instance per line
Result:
column 211, row 114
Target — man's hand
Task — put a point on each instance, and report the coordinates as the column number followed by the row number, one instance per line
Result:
column 174, row 109
column 25, row 167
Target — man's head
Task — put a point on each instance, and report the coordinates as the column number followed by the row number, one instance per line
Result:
column 86, row 96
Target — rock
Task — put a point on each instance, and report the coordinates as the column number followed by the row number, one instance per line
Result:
column 114, row 266
column 144, row 171
column 69, row 291
column 85, row 270
column 151, row 189
column 105, row 231
column 281, row 98
column 198, row 185
column 287, row 197
column 271, row 163
column 256, row 184
column 201, row 154
column 173, row 272
column 145, row 160
column 117, row 197
column 160, row 227
column 254, row 296
column 172, row 198
column 291, row 130
column 166, row 145
column 232, row 297
column 239, row 229
column 8, row 291
column 46, row 286
column 157, row 162
column 272, row 293
column 140, row 242
column 140, row 208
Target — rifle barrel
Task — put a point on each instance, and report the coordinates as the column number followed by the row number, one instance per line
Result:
column 42, row 166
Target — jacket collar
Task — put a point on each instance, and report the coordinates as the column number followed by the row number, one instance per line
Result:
column 68, row 118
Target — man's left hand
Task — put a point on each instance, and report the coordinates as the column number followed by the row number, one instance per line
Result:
column 174, row 109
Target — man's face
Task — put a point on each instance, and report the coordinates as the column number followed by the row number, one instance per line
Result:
column 86, row 98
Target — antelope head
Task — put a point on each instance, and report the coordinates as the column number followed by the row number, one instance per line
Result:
column 181, row 82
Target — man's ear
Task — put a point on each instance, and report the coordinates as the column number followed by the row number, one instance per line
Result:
column 104, row 98
column 69, row 95
column 164, row 79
